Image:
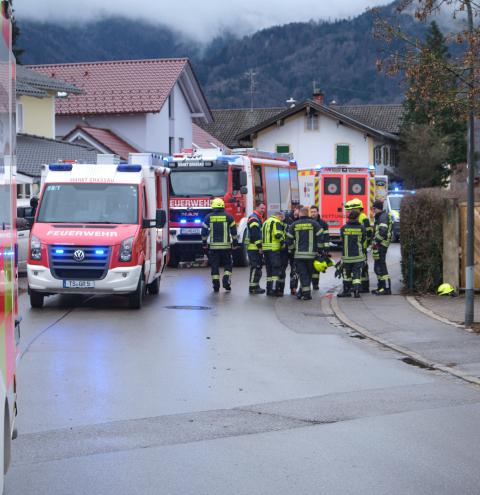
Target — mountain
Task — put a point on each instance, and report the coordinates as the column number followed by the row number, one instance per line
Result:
column 339, row 56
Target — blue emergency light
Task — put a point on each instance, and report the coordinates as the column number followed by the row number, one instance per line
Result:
column 59, row 251
column 99, row 251
column 197, row 220
column 183, row 220
column 60, row 167
column 125, row 167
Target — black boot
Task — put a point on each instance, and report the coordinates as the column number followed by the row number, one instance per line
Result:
column 356, row 292
column 315, row 284
column 226, row 282
column 307, row 296
column 216, row 285
column 365, row 287
column 347, row 290
column 280, row 289
column 256, row 290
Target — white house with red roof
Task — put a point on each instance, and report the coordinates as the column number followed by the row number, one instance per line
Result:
column 149, row 105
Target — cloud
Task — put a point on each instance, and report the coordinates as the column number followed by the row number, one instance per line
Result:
column 198, row 19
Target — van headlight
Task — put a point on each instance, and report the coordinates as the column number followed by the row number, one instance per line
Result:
column 126, row 250
column 35, row 248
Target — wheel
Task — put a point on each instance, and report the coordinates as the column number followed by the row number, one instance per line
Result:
column 135, row 299
column 36, row 299
column 240, row 255
column 154, row 287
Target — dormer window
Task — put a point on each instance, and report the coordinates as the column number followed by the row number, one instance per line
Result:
column 311, row 122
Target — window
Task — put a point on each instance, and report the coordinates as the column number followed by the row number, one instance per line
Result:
column 311, row 123
column 171, row 105
column 332, row 186
column 356, row 186
column 283, row 148
column 19, row 117
column 236, row 180
column 171, row 145
column 378, row 155
column 343, row 154
column 181, row 144
column 386, row 155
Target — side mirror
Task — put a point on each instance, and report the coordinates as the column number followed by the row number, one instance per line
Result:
column 243, row 190
column 161, row 219
column 243, row 179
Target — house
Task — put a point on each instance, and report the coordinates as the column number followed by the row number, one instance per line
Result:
column 149, row 104
column 318, row 134
column 201, row 139
column 36, row 98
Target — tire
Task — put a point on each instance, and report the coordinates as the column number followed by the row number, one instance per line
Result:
column 135, row 299
column 154, row 287
column 240, row 255
column 36, row 299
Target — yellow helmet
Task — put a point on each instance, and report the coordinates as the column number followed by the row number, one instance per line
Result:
column 322, row 263
column 446, row 290
column 353, row 204
column 218, row 203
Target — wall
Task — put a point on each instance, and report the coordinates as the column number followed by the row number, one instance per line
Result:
column 183, row 120
column 317, row 147
column 131, row 127
column 38, row 116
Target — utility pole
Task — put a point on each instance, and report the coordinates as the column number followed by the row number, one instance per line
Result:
column 470, row 258
column 253, row 85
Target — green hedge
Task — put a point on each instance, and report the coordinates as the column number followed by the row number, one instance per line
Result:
column 421, row 227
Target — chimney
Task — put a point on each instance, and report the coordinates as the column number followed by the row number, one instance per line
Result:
column 318, row 96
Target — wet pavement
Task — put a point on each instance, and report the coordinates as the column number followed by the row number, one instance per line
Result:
column 202, row 393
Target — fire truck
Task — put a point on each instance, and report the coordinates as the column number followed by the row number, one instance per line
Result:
column 242, row 179
column 9, row 320
column 330, row 187
column 100, row 229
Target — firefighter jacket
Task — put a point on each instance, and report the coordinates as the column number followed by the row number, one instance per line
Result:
column 383, row 229
column 219, row 230
column 365, row 221
column 254, row 232
column 304, row 238
column 353, row 236
column 273, row 234
column 325, row 237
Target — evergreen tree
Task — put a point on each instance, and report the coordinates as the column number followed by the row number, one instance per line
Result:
column 17, row 51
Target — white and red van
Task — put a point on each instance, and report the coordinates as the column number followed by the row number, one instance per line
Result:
column 100, row 229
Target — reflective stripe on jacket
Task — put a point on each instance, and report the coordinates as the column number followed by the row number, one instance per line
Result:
column 304, row 238
column 353, row 236
column 219, row 230
column 383, row 228
column 273, row 234
column 365, row 221
column 254, row 232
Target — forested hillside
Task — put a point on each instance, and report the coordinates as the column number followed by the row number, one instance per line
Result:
column 340, row 56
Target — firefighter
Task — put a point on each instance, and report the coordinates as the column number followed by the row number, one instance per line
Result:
column 254, row 248
column 325, row 242
column 285, row 258
column 357, row 204
column 381, row 241
column 304, row 238
column 353, row 236
column 273, row 237
column 219, row 234
column 289, row 219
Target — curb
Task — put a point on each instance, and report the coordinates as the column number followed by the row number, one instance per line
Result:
column 402, row 350
column 420, row 307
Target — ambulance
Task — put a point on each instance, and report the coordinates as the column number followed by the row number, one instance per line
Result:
column 330, row 187
column 100, row 229
column 9, row 319
column 241, row 179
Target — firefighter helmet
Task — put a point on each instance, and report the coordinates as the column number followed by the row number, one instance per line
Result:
column 353, row 204
column 218, row 203
column 446, row 290
column 321, row 263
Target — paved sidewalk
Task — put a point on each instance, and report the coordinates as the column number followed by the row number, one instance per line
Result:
column 451, row 308
column 393, row 321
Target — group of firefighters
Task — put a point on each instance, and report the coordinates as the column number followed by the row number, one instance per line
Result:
column 299, row 239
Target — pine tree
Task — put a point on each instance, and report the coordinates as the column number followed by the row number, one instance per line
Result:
column 17, row 51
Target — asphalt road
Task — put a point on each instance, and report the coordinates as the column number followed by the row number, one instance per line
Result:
column 202, row 393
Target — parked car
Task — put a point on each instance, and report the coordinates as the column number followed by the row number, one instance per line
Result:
column 393, row 203
column 24, row 223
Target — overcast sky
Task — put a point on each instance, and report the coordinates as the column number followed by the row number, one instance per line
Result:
column 203, row 19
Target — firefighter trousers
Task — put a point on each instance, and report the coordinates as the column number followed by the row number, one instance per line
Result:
column 305, row 271
column 352, row 275
column 365, row 277
column 284, row 258
column 256, row 263
column 380, row 267
column 217, row 259
column 273, row 266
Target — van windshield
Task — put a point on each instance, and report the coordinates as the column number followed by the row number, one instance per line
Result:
column 89, row 203
column 395, row 202
column 193, row 183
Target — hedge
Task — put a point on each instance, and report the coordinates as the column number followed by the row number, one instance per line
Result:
column 421, row 227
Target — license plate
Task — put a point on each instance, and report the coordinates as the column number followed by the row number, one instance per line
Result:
column 78, row 284
column 191, row 231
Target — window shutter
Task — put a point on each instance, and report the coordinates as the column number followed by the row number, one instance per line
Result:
column 343, row 154
column 283, row 148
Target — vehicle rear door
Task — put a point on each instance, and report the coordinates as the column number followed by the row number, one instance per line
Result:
column 332, row 190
